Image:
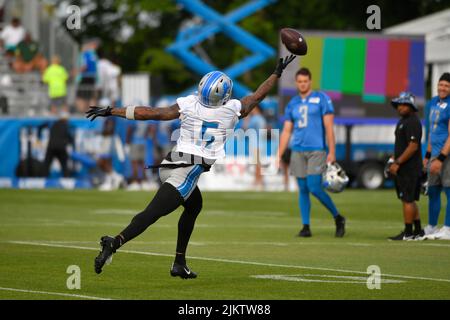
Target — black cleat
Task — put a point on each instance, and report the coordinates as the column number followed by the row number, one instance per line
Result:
column 402, row 236
column 418, row 234
column 340, row 226
column 105, row 255
column 182, row 271
column 305, row 232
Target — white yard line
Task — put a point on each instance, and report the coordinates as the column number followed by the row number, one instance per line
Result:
column 310, row 278
column 436, row 244
column 54, row 293
column 115, row 211
column 230, row 261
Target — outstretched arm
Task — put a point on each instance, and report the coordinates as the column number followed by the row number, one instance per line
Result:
column 251, row 101
column 135, row 113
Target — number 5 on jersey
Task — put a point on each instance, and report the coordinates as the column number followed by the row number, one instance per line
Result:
column 303, row 117
column 204, row 137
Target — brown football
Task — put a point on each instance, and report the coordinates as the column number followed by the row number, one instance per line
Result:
column 294, row 41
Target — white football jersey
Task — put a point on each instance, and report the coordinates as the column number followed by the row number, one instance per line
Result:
column 204, row 130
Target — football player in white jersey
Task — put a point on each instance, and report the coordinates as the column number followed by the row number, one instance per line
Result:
column 206, row 121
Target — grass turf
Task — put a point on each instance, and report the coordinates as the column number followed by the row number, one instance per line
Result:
column 242, row 241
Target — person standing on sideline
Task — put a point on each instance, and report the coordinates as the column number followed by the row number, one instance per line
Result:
column 407, row 164
column 60, row 139
column 87, row 77
column 309, row 118
column 436, row 159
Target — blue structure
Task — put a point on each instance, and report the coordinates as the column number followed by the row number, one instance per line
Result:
column 215, row 23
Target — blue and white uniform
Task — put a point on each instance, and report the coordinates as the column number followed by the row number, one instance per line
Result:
column 308, row 144
column 203, row 133
column 307, row 117
column 439, row 119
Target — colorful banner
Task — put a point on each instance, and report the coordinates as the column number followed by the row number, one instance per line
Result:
column 373, row 68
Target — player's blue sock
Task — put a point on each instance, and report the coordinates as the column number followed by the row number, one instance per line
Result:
column 447, row 211
column 304, row 201
column 434, row 204
column 315, row 186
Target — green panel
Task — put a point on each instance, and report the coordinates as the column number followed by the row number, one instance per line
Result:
column 333, row 62
column 313, row 60
column 354, row 66
column 373, row 98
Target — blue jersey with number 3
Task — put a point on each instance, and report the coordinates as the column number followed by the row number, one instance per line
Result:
column 307, row 117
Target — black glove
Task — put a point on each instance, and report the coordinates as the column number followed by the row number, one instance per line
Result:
column 282, row 64
column 95, row 112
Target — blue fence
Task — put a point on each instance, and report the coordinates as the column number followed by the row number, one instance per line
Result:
column 16, row 132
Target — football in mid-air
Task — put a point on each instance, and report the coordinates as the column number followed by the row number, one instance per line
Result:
column 294, row 41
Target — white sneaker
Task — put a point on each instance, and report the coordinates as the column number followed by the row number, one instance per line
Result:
column 105, row 187
column 429, row 229
column 146, row 186
column 134, row 187
column 107, row 184
column 117, row 180
column 443, row 234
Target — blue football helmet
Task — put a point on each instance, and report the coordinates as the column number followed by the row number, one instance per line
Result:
column 215, row 89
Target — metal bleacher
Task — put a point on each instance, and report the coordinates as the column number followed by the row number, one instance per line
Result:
column 25, row 94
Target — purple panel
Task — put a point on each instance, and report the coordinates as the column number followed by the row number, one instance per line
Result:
column 416, row 68
column 334, row 95
column 376, row 67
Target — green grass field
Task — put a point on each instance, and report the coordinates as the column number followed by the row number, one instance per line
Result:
column 244, row 247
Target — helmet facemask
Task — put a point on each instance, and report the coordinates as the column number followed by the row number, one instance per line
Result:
column 334, row 178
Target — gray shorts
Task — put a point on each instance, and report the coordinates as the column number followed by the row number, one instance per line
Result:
column 308, row 163
column 58, row 102
column 442, row 179
column 137, row 152
column 184, row 179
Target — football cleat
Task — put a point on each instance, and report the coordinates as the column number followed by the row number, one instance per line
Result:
column 418, row 235
column 305, row 232
column 340, row 226
column 402, row 237
column 105, row 255
column 182, row 271
column 429, row 229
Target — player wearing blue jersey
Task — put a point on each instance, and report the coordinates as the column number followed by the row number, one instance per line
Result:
column 436, row 159
column 309, row 120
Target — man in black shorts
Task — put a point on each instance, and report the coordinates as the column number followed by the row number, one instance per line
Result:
column 407, row 165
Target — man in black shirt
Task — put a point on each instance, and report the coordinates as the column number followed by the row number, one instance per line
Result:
column 407, row 164
column 60, row 138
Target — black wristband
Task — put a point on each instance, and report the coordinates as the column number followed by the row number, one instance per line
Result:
column 428, row 155
column 441, row 157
